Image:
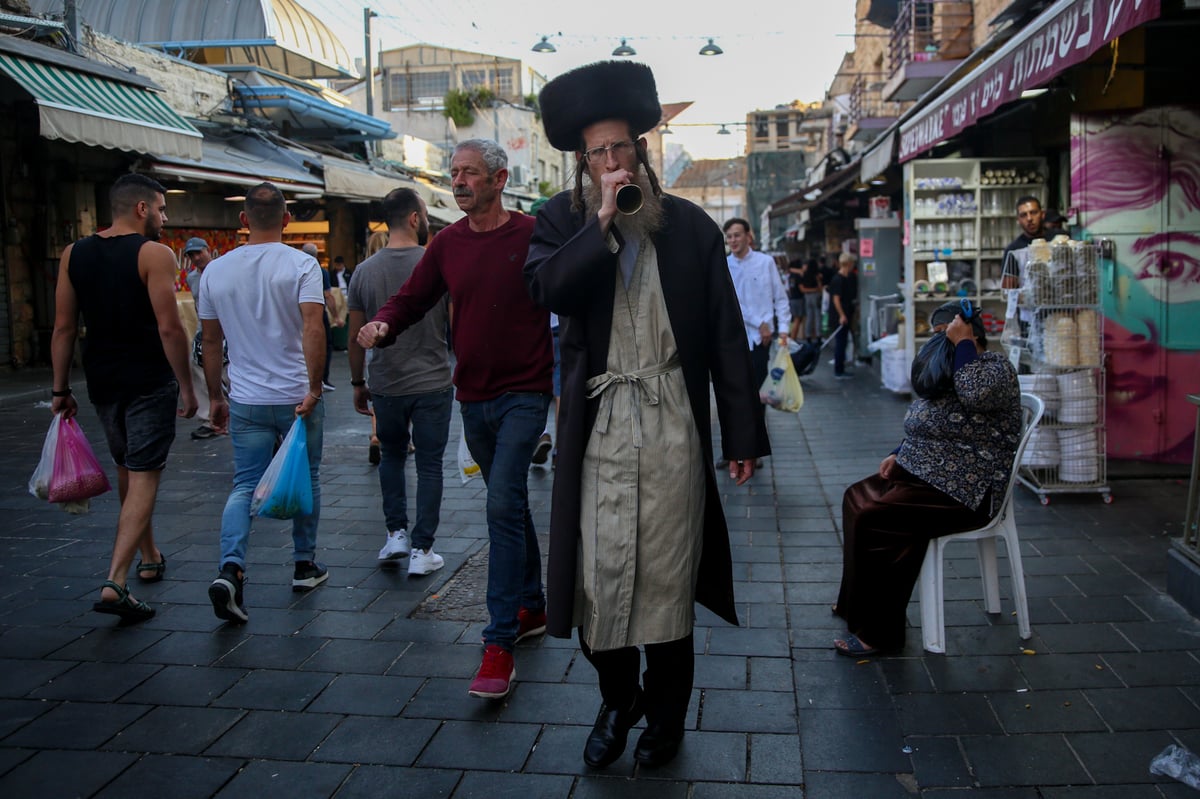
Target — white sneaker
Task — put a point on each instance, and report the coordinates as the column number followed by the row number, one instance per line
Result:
column 396, row 546
column 424, row 561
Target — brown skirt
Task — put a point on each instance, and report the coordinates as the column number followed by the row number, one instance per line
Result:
column 887, row 525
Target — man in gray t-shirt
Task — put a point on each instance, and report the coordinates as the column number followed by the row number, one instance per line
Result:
column 409, row 384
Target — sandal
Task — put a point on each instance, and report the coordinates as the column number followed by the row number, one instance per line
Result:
column 152, row 572
column 852, row 647
column 129, row 609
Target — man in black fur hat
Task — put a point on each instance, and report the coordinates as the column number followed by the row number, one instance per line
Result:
column 637, row 534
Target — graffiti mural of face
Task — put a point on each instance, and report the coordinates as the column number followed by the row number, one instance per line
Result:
column 1140, row 374
column 1121, row 199
column 1147, row 381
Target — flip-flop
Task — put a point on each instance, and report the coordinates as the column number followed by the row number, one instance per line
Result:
column 126, row 607
column 152, row 572
column 854, row 648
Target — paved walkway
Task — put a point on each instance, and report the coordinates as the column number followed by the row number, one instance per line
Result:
column 359, row 688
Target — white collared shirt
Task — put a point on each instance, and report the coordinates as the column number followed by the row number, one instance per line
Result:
column 761, row 293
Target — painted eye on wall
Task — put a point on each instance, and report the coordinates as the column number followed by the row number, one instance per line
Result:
column 1169, row 265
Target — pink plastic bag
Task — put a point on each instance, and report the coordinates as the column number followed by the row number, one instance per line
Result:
column 77, row 474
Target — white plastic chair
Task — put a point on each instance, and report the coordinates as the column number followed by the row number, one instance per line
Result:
column 1003, row 525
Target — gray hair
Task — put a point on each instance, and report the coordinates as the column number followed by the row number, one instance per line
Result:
column 493, row 154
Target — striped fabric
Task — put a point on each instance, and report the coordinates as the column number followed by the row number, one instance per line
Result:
column 92, row 110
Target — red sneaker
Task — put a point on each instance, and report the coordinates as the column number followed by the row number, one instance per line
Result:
column 530, row 623
column 496, row 674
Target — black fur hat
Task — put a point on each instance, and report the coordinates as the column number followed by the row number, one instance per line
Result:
column 595, row 92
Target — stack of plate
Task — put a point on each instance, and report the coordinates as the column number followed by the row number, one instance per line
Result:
column 1078, row 395
column 1044, row 386
column 1080, row 456
column 1043, row 450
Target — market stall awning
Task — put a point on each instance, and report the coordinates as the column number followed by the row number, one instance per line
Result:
column 88, row 109
column 878, row 158
column 309, row 115
column 1065, row 34
column 817, row 194
column 356, row 181
column 277, row 34
column 243, row 160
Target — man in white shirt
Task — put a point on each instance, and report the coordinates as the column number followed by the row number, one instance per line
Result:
column 265, row 298
column 762, row 295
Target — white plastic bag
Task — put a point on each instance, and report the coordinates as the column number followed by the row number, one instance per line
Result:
column 39, row 482
column 468, row 469
column 1178, row 763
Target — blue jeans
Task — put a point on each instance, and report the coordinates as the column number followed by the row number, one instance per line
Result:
column 254, row 429
column 430, row 417
column 502, row 434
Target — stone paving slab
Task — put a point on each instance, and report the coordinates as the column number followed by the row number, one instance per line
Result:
column 358, row 688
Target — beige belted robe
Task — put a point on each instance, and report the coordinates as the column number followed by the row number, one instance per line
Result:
column 641, row 523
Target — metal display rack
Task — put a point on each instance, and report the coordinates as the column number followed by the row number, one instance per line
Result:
column 960, row 214
column 1063, row 351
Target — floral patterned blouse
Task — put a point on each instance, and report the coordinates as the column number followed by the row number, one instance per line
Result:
column 963, row 444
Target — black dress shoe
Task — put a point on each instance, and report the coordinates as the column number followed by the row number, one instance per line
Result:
column 657, row 746
column 609, row 734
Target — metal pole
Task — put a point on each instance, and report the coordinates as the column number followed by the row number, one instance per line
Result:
column 71, row 21
column 367, row 14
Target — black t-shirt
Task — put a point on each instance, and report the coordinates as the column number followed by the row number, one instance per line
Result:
column 793, row 285
column 845, row 287
column 1011, row 267
column 810, row 278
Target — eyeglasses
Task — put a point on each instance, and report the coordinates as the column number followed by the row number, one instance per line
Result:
column 598, row 155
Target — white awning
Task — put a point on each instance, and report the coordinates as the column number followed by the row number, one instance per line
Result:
column 241, row 160
column 878, row 158
column 89, row 109
column 439, row 203
column 359, row 182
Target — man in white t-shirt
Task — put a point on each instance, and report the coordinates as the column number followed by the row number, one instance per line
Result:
column 266, row 300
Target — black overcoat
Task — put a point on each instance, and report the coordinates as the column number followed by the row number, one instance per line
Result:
column 571, row 271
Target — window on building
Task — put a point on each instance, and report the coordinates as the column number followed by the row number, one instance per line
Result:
column 762, row 128
column 475, row 79
column 417, row 87
column 504, row 82
column 781, row 127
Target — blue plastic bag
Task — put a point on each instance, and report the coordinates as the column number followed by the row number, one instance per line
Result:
column 285, row 490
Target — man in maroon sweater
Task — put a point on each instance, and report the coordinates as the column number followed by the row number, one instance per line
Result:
column 503, row 377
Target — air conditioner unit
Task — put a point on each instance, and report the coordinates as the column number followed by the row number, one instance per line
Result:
column 519, row 175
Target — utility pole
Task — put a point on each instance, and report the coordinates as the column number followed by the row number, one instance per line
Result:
column 367, row 14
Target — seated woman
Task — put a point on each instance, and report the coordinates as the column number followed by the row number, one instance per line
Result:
column 949, row 475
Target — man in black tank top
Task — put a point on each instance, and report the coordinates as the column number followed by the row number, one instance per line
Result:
column 135, row 359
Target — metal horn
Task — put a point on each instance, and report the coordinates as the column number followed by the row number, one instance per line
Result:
column 629, row 198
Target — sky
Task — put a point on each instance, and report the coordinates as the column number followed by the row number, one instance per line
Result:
column 776, row 51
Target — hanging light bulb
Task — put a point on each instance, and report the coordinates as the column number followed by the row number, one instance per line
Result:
column 711, row 49
column 544, row 46
column 724, row 131
column 665, row 130
column 878, row 180
column 624, row 50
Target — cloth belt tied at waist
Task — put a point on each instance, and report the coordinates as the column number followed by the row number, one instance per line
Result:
column 598, row 387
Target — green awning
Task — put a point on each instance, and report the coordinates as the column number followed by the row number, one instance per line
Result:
column 89, row 109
